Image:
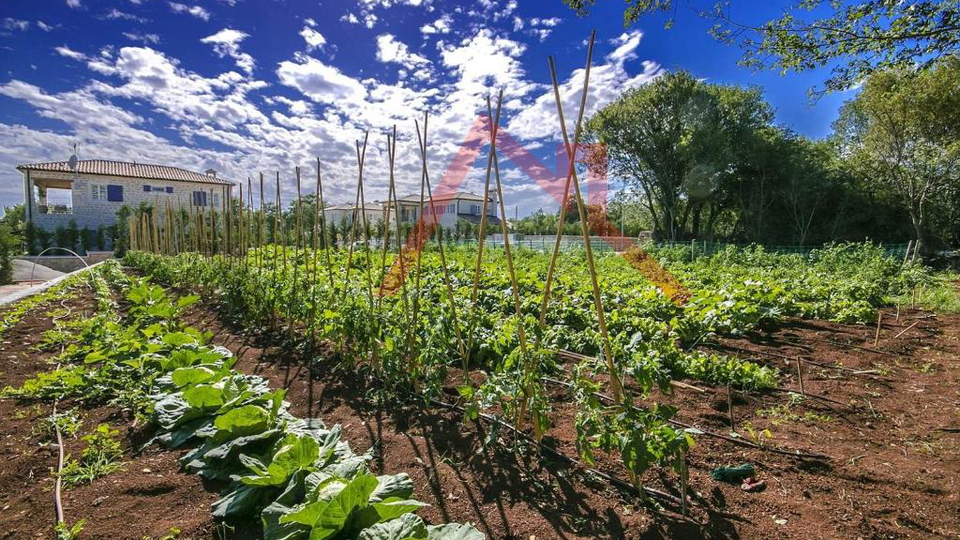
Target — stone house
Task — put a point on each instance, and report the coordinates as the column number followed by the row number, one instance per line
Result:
column 447, row 208
column 91, row 193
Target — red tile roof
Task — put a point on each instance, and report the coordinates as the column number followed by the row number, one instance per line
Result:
column 130, row 170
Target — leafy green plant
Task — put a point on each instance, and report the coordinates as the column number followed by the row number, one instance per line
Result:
column 69, row 532
column 100, row 457
column 68, row 422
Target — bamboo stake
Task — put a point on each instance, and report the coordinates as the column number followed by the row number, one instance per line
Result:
column 733, row 426
column 443, row 258
column 876, row 337
column 214, row 244
column 528, row 361
column 803, row 391
column 684, row 480
column 296, row 253
column 277, row 246
column 241, row 236
column 323, row 226
column 905, row 330
column 393, row 198
column 353, row 228
column 260, row 219
column 481, row 240
column 615, row 384
column 571, row 172
column 363, row 220
column 313, row 259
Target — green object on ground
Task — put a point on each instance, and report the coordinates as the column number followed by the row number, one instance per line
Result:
column 733, row 474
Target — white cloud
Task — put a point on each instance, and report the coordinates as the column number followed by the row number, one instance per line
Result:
column 117, row 14
column 318, row 81
column 314, row 39
column 145, row 38
column 538, row 119
column 196, row 11
column 391, row 50
column 45, row 27
column 545, row 22
column 70, row 53
column 74, row 4
column 227, row 43
column 16, row 24
column 439, row 26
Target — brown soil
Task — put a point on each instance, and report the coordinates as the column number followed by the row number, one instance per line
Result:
column 893, row 474
column 144, row 500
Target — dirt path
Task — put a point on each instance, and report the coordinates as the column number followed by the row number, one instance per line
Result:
column 145, row 499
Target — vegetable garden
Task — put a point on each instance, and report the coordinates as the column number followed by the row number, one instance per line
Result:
column 610, row 379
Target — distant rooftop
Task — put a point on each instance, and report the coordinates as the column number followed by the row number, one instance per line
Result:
column 127, row 169
column 465, row 195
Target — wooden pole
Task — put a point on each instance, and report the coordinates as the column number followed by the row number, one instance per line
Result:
column 684, row 480
column 443, row 258
column 361, row 157
column 733, row 426
column 481, row 240
column 323, row 227
column 876, row 337
column 800, row 376
column 615, row 384
column 571, row 171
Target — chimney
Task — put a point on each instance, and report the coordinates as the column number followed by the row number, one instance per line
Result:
column 211, row 172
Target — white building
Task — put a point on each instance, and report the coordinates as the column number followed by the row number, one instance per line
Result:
column 447, row 208
column 339, row 213
column 91, row 194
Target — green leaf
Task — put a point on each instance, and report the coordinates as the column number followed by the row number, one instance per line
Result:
column 453, row 531
column 246, row 420
column 204, row 397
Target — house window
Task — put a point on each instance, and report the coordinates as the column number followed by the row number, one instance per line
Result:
column 452, row 208
column 216, row 199
column 146, row 188
column 98, row 192
column 114, row 193
column 169, row 190
column 475, row 209
column 199, row 198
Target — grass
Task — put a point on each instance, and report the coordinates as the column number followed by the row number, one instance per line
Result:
column 942, row 296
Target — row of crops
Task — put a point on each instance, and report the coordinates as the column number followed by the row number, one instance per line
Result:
column 297, row 475
column 430, row 331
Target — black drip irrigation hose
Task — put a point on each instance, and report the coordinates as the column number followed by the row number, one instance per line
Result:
column 734, row 440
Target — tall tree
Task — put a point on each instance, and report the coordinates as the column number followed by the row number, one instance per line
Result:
column 902, row 132
column 855, row 38
column 673, row 141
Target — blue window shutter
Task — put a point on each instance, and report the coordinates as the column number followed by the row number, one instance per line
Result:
column 199, row 198
column 115, row 193
column 169, row 189
column 146, row 187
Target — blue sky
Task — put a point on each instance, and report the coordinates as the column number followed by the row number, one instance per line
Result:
column 250, row 86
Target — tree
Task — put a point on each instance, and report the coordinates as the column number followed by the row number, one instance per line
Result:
column 674, row 140
column 856, row 38
column 902, row 132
